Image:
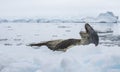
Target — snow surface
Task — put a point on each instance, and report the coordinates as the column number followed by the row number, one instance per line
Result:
column 15, row 56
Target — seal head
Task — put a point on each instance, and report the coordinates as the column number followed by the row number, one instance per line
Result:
column 93, row 36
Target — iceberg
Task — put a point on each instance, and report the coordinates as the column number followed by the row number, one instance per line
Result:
column 107, row 17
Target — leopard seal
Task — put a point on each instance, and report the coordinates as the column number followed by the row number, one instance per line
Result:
column 90, row 36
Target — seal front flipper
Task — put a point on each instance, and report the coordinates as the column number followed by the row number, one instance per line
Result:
column 93, row 36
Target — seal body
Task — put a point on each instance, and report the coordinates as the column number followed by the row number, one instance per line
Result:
column 63, row 45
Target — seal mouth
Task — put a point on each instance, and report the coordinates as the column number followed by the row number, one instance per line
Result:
column 93, row 36
column 88, row 28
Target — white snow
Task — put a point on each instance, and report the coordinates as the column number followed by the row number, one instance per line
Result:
column 15, row 56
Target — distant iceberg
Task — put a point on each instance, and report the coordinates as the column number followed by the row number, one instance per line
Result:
column 107, row 17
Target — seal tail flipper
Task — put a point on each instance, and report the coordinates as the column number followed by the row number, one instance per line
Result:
column 37, row 44
column 93, row 36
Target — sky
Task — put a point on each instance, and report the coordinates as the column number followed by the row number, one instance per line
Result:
column 57, row 8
